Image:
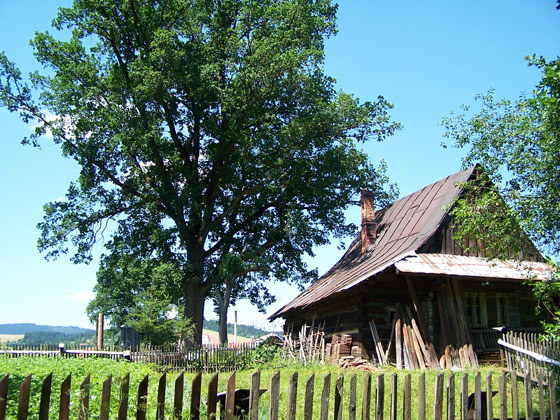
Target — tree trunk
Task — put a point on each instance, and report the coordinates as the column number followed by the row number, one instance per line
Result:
column 194, row 310
column 222, row 324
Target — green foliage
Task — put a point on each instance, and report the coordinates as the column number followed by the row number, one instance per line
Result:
column 50, row 337
column 204, row 130
column 268, row 351
column 518, row 144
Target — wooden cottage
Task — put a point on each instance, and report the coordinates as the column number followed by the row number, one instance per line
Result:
column 405, row 281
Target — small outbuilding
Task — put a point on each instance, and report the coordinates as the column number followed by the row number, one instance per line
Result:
column 405, row 281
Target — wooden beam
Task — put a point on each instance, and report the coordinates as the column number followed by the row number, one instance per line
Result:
column 418, row 308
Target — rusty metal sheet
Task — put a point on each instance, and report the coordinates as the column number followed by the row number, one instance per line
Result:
column 458, row 265
column 422, row 211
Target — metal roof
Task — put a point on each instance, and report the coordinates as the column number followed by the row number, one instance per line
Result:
column 403, row 227
column 458, row 265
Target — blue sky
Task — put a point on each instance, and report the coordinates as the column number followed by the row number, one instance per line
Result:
column 427, row 58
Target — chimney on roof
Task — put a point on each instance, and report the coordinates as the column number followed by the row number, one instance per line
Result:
column 368, row 219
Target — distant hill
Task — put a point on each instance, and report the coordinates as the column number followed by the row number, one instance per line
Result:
column 242, row 330
column 31, row 328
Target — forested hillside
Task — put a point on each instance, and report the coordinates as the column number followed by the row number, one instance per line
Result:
column 29, row 327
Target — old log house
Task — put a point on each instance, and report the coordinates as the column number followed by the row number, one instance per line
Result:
column 405, row 284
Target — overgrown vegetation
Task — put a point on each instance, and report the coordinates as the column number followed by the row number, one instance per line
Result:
column 100, row 369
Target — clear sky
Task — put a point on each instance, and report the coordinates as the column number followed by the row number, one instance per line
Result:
column 426, row 57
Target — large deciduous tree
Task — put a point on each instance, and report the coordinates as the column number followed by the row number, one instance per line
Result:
column 518, row 144
column 204, row 129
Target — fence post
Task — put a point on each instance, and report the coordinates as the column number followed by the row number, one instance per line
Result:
column 325, row 397
column 394, row 396
column 503, row 396
column 123, row 403
column 292, row 397
column 196, row 386
column 45, row 398
column 160, row 412
column 407, row 409
column 451, row 397
column 274, row 394
column 212, row 400
column 552, row 395
column 489, row 395
column 352, row 398
column 178, row 396
column 230, row 397
column 84, row 399
column 422, row 396
column 438, row 398
column 380, row 396
column 477, row 397
column 24, row 394
column 528, row 395
column 366, row 397
column 308, row 402
column 64, row 407
column 255, row 394
column 4, row 384
column 514, row 397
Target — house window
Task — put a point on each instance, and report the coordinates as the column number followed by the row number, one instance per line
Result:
column 502, row 308
column 475, row 307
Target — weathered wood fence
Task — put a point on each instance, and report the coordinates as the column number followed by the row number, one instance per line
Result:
column 206, row 358
column 530, row 354
column 476, row 403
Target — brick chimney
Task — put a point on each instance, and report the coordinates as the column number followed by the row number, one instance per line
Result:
column 368, row 219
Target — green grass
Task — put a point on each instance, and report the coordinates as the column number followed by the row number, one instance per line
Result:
column 100, row 369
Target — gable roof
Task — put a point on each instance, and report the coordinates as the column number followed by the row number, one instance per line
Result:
column 403, row 227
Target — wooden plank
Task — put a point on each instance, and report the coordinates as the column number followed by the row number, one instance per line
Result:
column 376, row 343
column 438, row 397
column 45, row 398
column 422, row 396
column 352, row 398
column 477, row 397
column 552, row 396
column 292, row 396
column 178, row 396
column 84, row 398
column 4, row 385
column 105, row 399
column 160, row 411
column 196, row 389
column 366, row 397
column 528, row 396
column 254, row 395
column 142, row 404
column 417, row 351
column 212, row 400
column 24, row 395
column 451, row 397
column 394, row 396
column 398, row 343
column 64, row 406
column 389, row 345
column 464, row 397
column 489, row 395
column 542, row 407
column 407, row 398
column 123, row 399
column 338, row 390
column 514, row 397
column 325, row 396
column 380, row 397
column 503, row 396
column 230, row 397
column 417, row 308
column 308, row 401
column 274, row 396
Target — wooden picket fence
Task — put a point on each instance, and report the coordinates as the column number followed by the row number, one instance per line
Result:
column 206, row 358
column 235, row 403
column 530, row 354
column 212, row 358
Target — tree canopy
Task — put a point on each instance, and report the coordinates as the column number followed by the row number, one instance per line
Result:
column 518, row 144
column 208, row 136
